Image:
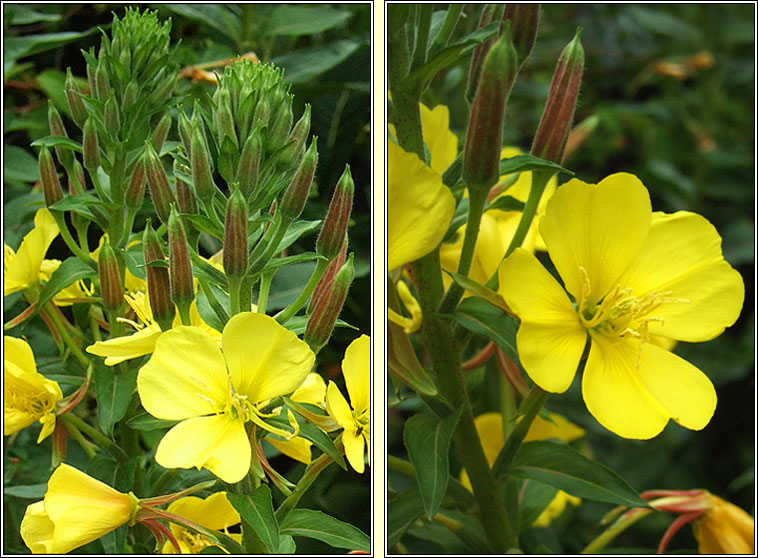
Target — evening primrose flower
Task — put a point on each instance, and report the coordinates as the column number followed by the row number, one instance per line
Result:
column 29, row 396
column 632, row 273
column 356, row 422
column 215, row 512
column 214, row 394
column 77, row 509
column 489, row 426
column 412, row 324
column 724, row 529
column 22, row 268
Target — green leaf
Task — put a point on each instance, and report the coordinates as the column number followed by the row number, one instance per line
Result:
column 304, row 65
column 288, row 283
column 19, row 164
column 146, row 422
column 481, row 318
column 523, row 163
column 286, row 545
column 506, row 203
column 278, row 263
column 30, row 491
column 15, row 48
column 69, row 272
column 325, row 528
column 428, row 443
column 215, row 16
column 565, row 468
column 18, row 14
column 535, row 498
column 402, row 512
column 204, row 224
column 294, row 21
column 295, row 231
column 322, row 441
column 488, row 295
column 57, row 141
column 114, row 392
column 74, row 203
column 258, row 511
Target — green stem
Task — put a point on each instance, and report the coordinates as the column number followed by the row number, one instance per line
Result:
column 102, row 440
column 75, row 350
column 283, row 316
column 530, row 407
column 618, row 527
column 268, row 245
column 539, row 181
column 422, row 34
column 184, row 313
column 311, row 474
column 263, row 292
column 234, row 293
column 69, row 240
column 477, row 201
column 164, row 479
column 448, row 26
column 89, row 448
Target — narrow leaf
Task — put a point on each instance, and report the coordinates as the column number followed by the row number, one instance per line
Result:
column 402, row 512
column 522, row 163
column 258, row 511
column 69, row 272
column 481, row 318
column 325, row 528
column 146, row 423
column 114, row 392
column 477, row 289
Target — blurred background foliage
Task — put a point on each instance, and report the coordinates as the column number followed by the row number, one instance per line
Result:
column 325, row 51
column 670, row 92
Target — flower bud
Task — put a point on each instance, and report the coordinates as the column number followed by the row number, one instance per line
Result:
column 158, row 284
column 298, row 135
column 135, row 191
column 552, row 133
column 489, row 13
column 263, row 111
column 112, row 116
column 201, row 167
column 91, row 66
column 235, row 235
column 130, row 96
column 163, row 92
column 250, row 160
column 296, row 194
column 76, row 181
column 111, row 285
column 161, row 131
column 102, row 85
column 157, row 181
column 51, row 185
column 484, row 137
column 90, row 145
column 525, row 19
column 185, row 131
column 324, row 285
column 75, row 102
column 280, row 127
column 332, row 235
column 180, row 267
column 185, row 198
column 57, row 128
column 223, row 117
column 327, row 309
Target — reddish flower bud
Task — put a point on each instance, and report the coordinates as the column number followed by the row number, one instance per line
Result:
column 324, row 285
column 74, row 98
column 185, row 198
column 484, row 137
column 250, row 160
column 201, row 166
column 158, row 284
column 296, row 194
column 135, row 191
column 293, row 152
column 552, row 133
column 525, row 20
column 76, row 182
column 489, row 14
column 54, row 120
column 280, row 127
column 161, row 131
column 235, row 235
column 51, row 185
column 130, row 96
column 112, row 116
column 90, row 146
column 102, row 84
column 223, row 118
column 111, row 284
column 185, row 131
column 333, row 231
column 157, row 180
column 327, row 308
column 180, row 267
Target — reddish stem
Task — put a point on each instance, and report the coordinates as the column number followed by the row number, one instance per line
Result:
column 480, row 358
column 512, row 374
column 680, row 522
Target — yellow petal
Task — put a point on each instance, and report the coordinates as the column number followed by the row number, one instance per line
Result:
column 489, row 426
column 217, row 443
column 337, row 407
column 354, row 444
column 312, row 390
column 599, row 228
column 557, row 427
column 419, row 210
column 265, row 359
column 185, row 377
column 119, row 349
column 725, row 529
column 555, row 508
column 213, row 512
column 682, row 254
column 18, row 352
column 297, row 448
column 441, row 142
column 356, row 368
column 550, row 339
column 37, row 530
column 23, row 269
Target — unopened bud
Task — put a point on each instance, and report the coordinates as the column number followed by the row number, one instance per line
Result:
column 185, row 198
column 111, row 285
column 163, row 92
column 296, row 194
column 75, row 102
column 185, row 131
column 102, row 85
column 161, row 131
column 263, row 112
column 484, row 137
column 76, row 179
column 180, row 267
column 90, row 145
column 158, row 284
column 157, row 181
column 135, row 191
column 201, row 166
column 280, row 127
column 112, row 116
column 489, row 13
column 223, row 118
column 324, row 285
column 321, row 322
column 130, row 96
column 332, row 235
column 250, row 160
column 235, row 235
column 51, row 185
column 290, row 156
column 525, row 20
column 57, row 128
column 552, row 133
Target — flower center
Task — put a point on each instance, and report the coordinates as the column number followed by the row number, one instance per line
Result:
column 363, row 423
column 35, row 405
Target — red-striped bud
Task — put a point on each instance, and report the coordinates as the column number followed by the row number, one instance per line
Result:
column 54, row 120
column 112, row 116
column 324, row 285
column 332, row 235
column 552, row 133
column 90, row 146
column 525, row 20
column 102, row 84
column 157, row 181
column 111, row 284
column 291, row 155
column 282, row 122
column 51, row 185
column 180, row 266
column 161, row 131
column 135, row 191
column 235, row 235
column 201, row 166
column 158, row 284
column 489, row 14
column 185, row 198
column 297, row 192
column 75, row 102
column 76, row 181
column 484, row 137
column 223, row 117
column 320, row 324
column 250, row 161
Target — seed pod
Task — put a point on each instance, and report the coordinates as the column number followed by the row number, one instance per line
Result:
column 484, row 137
column 292, row 153
column 235, row 235
column 201, row 167
column 297, row 192
column 135, row 192
column 111, row 284
column 180, row 267
column 525, row 20
column 51, row 185
column 54, row 120
column 90, row 146
column 157, row 181
column 158, row 283
column 320, row 324
column 332, row 235
column 75, row 102
column 250, row 160
column 161, row 131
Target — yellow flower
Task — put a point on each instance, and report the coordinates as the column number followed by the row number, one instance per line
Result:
column 441, row 142
column 412, row 324
column 132, row 283
column 142, row 342
column 419, row 209
column 724, row 529
column 77, row 509
column 356, row 422
column 214, row 394
column 489, row 426
column 29, row 396
column 215, row 512
column 633, row 273
column 22, row 268
column 68, row 295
